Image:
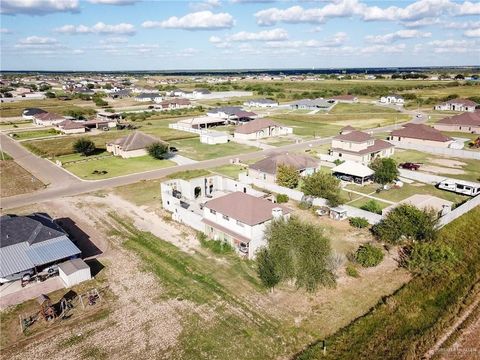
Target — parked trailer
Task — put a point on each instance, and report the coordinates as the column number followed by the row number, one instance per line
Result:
column 460, row 186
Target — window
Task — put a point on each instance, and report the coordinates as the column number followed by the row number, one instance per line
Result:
column 212, row 211
column 225, row 217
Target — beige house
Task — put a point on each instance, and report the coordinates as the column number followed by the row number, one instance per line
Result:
column 259, row 129
column 422, row 135
column 266, row 169
column 47, row 119
column 71, row 127
column 457, row 105
column 468, row 122
column 132, row 145
column 359, row 146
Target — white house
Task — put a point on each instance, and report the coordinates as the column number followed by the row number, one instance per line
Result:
column 261, row 103
column 392, row 99
column 71, row 127
column 214, row 137
column 47, row 119
column 223, row 209
column 259, row 129
column 457, row 105
column 132, row 145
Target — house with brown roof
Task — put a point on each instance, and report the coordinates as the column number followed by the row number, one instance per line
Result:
column 359, row 146
column 132, row 145
column 240, row 220
column 457, row 105
column 47, row 119
column 259, row 129
column 173, row 104
column 71, row 127
column 468, row 122
column 420, row 134
column 266, row 169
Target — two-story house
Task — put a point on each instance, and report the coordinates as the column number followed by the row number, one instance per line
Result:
column 240, row 220
column 359, row 146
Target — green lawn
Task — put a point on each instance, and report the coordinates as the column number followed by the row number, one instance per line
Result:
column 407, row 324
column 23, row 135
column 194, row 149
column 359, row 108
column 407, row 190
column 7, row 125
column 230, row 170
column 115, row 166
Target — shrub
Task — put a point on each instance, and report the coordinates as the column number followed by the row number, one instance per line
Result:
column 158, row 150
column 325, row 186
column 215, row 246
column 385, row 170
column 282, row 198
column 431, row 258
column 372, row 206
column 369, row 255
column 359, row 222
column 304, row 205
column 266, row 269
column 352, row 271
column 287, row 176
column 84, row 146
column 406, row 222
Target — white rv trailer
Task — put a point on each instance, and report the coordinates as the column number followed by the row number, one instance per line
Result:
column 460, row 186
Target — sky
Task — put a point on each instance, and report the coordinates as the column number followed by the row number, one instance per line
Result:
column 112, row 35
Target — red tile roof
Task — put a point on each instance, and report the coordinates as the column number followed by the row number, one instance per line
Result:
column 467, row 118
column 421, row 131
column 355, row 136
column 245, row 208
column 48, row 116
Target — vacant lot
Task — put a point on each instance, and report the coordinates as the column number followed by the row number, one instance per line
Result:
column 12, row 109
column 15, row 180
column 23, row 135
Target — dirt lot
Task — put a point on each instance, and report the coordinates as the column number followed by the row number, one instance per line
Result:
column 15, row 180
column 161, row 292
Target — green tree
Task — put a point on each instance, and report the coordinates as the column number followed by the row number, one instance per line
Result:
column 84, row 146
column 385, row 170
column 300, row 252
column 158, row 150
column 266, row 269
column 368, row 255
column 325, row 186
column 287, row 176
column 407, row 222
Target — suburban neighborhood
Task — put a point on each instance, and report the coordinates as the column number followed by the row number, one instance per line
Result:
column 254, row 209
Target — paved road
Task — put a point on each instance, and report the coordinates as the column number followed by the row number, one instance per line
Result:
column 63, row 183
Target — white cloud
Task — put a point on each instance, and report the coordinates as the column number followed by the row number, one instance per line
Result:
column 37, row 40
column 98, row 28
column 401, row 34
column 114, row 40
column 204, row 5
column 38, row 7
column 388, row 49
column 202, row 20
column 113, row 2
column 453, row 46
column 472, row 33
column 5, row 31
column 215, row 39
column 336, row 40
column 419, row 11
column 462, row 25
column 266, row 35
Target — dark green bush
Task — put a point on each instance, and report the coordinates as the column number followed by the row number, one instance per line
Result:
column 372, row 206
column 282, row 198
column 368, row 255
column 352, row 271
column 359, row 222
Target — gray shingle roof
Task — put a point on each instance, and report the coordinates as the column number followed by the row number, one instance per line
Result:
column 135, row 141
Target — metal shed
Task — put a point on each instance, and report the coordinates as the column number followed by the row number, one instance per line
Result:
column 73, row 272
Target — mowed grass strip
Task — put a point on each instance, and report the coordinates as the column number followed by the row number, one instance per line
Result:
column 408, row 323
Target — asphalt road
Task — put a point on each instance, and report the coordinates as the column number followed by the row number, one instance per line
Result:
column 61, row 183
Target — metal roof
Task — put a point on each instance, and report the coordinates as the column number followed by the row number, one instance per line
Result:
column 22, row 256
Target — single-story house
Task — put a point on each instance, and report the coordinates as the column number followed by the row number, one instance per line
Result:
column 47, row 119
column 392, row 99
column 421, row 134
column 71, row 127
column 358, row 172
column 233, row 114
column 145, row 97
column 345, row 99
column 424, row 202
column 173, row 104
column 468, row 122
column 266, row 169
column 259, row 129
column 262, row 103
column 29, row 244
column 132, row 145
column 31, row 112
column 120, row 94
column 214, row 137
column 457, row 105
column 315, row 104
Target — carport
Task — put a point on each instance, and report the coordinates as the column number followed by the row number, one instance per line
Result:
column 358, row 172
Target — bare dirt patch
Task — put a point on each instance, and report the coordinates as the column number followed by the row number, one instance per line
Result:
column 447, row 162
column 15, row 180
column 442, row 170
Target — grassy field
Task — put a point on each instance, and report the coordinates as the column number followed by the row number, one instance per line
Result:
column 12, row 109
column 407, row 324
column 15, row 180
column 230, row 170
column 115, row 166
column 239, row 319
column 361, row 108
column 7, row 125
column 23, row 135
column 194, row 149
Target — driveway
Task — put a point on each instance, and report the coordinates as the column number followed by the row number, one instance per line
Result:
column 13, row 293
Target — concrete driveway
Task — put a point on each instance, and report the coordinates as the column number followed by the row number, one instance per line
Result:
column 12, row 293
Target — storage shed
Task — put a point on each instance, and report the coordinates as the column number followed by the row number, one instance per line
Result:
column 73, row 272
